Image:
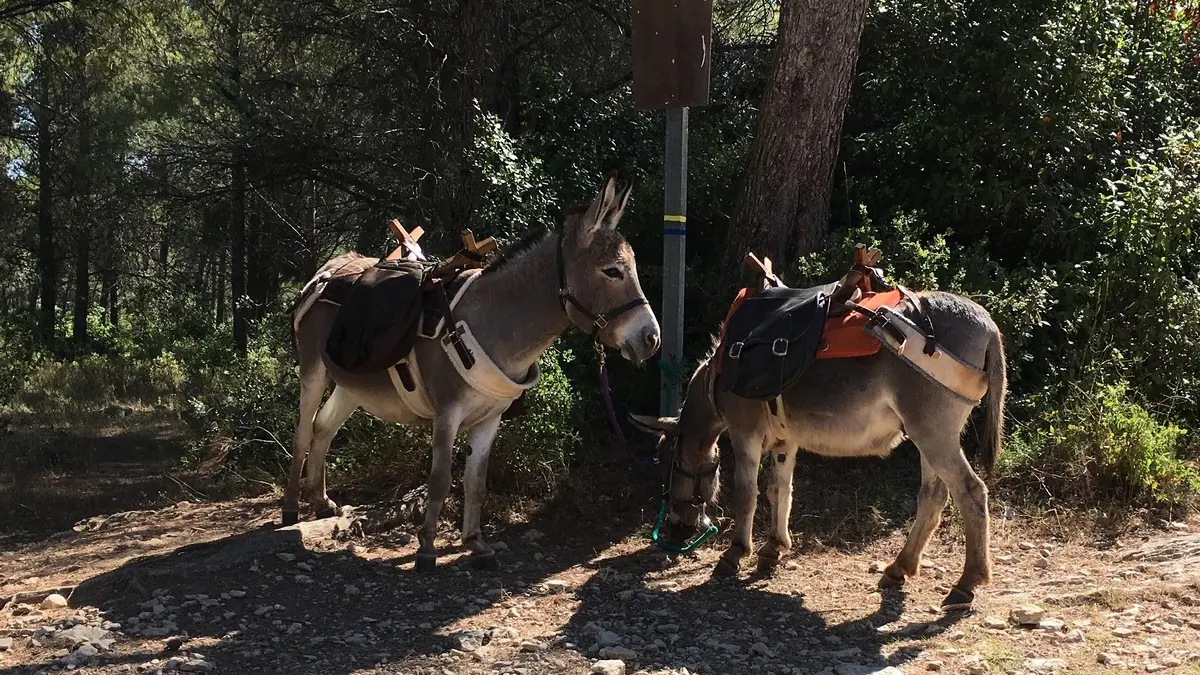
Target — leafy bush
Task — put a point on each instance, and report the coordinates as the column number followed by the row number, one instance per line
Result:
column 1100, row 446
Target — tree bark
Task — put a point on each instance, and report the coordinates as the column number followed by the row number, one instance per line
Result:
column 46, row 258
column 783, row 206
column 81, row 306
column 237, row 256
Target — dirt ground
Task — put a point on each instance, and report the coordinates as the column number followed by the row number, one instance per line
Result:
column 215, row 586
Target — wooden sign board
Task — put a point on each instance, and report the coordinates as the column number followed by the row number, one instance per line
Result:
column 672, row 52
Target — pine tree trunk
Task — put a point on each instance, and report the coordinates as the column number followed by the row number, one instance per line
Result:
column 237, row 257
column 81, row 306
column 46, row 256
column 783, row 206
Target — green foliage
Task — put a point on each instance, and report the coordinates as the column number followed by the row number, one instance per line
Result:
column 1102, row 445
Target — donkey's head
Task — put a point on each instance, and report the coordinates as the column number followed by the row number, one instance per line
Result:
column 598, row 277
column 689, row 442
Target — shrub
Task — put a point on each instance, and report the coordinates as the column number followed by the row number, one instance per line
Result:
column 1103, row 445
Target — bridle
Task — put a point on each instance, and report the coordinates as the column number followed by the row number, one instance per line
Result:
column 599, row 320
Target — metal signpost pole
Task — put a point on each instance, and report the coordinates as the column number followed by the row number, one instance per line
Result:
column 674, row 248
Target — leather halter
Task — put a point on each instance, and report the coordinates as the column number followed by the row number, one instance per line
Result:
column 600, row 320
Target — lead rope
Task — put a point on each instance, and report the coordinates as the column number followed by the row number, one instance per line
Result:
column 606, row 394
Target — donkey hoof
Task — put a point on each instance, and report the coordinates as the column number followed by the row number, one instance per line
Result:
column 958, row 600
column 290, row 517
column 426, row 563
column 893, row 577
column 485, row 561
column 725, row 568
column 768, row 564
column 326, row 512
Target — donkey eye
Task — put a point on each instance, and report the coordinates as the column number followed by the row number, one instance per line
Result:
column 613, row 273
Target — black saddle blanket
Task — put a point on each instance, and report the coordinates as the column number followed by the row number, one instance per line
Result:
column 771, row 339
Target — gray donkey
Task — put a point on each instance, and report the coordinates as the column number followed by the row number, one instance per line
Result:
column 585, row 275
column 854, row 407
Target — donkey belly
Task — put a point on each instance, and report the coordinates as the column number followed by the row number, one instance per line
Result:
column 843, row 410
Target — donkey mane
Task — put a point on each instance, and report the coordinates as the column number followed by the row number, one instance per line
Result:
column 526, row 241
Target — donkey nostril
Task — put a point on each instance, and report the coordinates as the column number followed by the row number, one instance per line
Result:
column 652, row 339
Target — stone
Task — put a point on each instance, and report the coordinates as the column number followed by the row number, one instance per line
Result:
column 935, row 665
column 470, row 640
column 762, row 650
column 667, row 628
column 6, row 644
column 1051, row 624
column 1075, row 636
column 609, row 667
column 1154, row 667
column 557, row 585
column 1107, row 659
column 77, row 635
column 286, row 557
column 618, row 653
column 995, row 623
column 1027, row 615
column 1044, row 665
column 607, row 638
column 85, row 651
column 1122, row 631
column 53, row 601
column 195, row 666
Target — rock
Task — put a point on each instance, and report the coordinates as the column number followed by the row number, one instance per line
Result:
column 667, row 628
column 505, row 633
column 1075, row 637
column 1051, row 624
column 286, row 557
column 173, row 644
column 607, row 638
column 6, row 644
column 534, row 646
column 533, row 536
column 53, row 601
column 618, row 653
column 237, row 593
column 1026, row 546
column 77, row 635
column 877, row 567
column 195, row 666
column 1027, row 615
column 470, row 640
column 995, row 623
column 557, row 585
column 609, row 667
column 85, row 652
column 1122, row 631
column 1154, row 667
column 1044, row 665
column 1107, row 659
column 1171, row 662
column 844, row 654
column 935, row 665
column 352, row 590
column 762, row 650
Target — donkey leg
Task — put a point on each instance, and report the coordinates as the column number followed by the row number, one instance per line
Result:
column 479, row 442
column 971, row 496
column 779, row 494
column 312, row 386
column 931, row 501
column 337, row 409
column 445, row 428
column 747, row 454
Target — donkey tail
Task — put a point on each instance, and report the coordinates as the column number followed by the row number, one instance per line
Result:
column 993, row 431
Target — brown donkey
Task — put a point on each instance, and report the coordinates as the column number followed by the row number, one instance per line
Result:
column 853, row 407
column 515, row 311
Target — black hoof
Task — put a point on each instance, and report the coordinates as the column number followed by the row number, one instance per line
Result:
column 326, row 512
column 768, row 564
column 290, row 518
column 485, row 561
column 725, row 568
column 426, row 562
column 958, row 600
column 889, row 581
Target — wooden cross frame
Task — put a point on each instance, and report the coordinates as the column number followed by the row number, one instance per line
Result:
column 407, row 239
column 472, row 254
column 765, row 269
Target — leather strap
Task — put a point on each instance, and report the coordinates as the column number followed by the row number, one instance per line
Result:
column 961, row 379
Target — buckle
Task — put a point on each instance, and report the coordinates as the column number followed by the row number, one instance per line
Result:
column 600, row 323
column 779, row 347
column 735, row 350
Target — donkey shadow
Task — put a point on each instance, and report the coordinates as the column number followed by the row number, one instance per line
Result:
column 725, row 625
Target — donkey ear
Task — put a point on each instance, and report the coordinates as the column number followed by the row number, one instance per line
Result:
column 654, row 425
column 599, row 206
column 609, row 220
